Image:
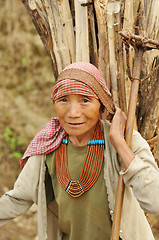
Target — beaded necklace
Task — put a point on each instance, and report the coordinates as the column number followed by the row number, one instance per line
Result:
column 91, row 167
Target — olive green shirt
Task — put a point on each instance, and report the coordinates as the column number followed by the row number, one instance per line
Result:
column 86, row 217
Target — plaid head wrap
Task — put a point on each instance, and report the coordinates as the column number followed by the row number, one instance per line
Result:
column 85, row 79
column 77, row 78
column 71, row 86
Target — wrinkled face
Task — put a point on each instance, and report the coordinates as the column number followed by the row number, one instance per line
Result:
column 78, row 114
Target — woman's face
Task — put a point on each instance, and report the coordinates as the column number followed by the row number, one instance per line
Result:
column 78, row 115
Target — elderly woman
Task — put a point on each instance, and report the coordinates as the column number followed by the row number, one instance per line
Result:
column 72, row 166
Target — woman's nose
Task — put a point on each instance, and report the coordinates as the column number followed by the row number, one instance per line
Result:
column 74, row 110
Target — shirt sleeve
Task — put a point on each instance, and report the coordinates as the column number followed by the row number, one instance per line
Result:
column 24, row 193
column 142, row 175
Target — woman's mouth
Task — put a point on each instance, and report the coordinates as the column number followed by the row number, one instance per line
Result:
column 75, row 124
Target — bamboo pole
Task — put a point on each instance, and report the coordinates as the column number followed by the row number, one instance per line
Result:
column 128, row 138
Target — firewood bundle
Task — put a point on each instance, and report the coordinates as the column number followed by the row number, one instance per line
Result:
column 87, row 30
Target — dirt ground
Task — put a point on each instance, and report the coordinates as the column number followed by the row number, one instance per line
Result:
column 26, row 80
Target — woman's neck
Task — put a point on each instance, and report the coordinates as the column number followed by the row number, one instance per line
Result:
column 81, row 140
column 78, row 141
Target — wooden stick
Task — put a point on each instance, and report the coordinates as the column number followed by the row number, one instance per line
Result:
column 143, row 40
column 103, row 49
column 82, row 33
column 112, row 54
column 128, row 138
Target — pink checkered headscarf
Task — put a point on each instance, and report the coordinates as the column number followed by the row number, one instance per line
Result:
column 77, row 86
column 92, row 70
column 77, row 78
column 71, row 86
column 85, row 79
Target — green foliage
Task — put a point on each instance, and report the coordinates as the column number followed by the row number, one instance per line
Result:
column 14, row 142
column 17, row 155
column 23, row 61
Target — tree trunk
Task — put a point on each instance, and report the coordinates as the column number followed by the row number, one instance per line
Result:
column 84, row 30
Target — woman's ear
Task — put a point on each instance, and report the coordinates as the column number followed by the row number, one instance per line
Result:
column 103, row 112
column 102, row 109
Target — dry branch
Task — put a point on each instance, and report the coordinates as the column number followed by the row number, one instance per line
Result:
column 103, row 54
column 55, row 28
column 82, row 32
column 92, row 36
column 139, row 41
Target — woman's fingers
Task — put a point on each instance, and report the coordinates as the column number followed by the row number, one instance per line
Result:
column 117, row 128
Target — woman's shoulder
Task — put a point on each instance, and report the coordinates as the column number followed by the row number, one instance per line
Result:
column 35, row 160
column 138, row 142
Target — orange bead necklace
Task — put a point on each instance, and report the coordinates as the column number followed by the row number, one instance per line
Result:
column 91, row 167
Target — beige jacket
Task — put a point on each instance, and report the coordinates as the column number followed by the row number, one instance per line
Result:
column 141, row 180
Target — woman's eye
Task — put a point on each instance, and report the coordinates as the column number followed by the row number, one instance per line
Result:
column 85, row 100
column 63, row 100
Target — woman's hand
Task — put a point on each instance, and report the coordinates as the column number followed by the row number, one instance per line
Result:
column 117, row 128
column 116, row 133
